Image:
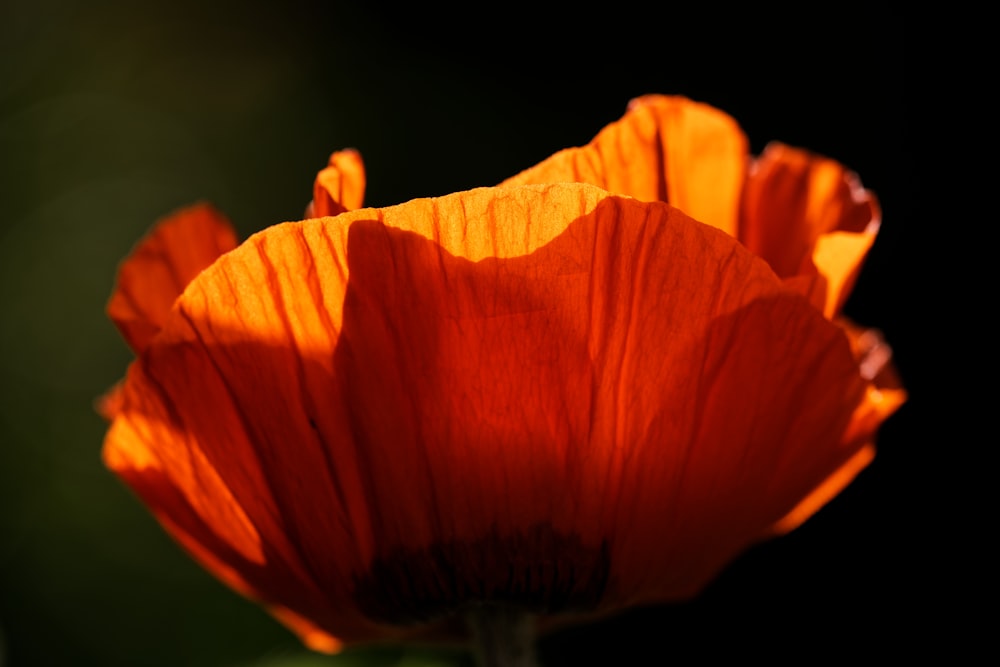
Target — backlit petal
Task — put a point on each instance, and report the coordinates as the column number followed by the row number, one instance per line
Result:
column 665, row 148
column 883, row 396
column 161, row 266
column 340, row 186
column 811, row 220
column 546, row 391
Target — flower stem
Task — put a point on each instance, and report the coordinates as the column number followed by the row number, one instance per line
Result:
column 503, row 637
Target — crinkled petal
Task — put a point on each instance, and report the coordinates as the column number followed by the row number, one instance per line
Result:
column 545, row 394
column 811, row 219
column 665, row 148
column 177, row 249
column 203, row 478
column 340, row 186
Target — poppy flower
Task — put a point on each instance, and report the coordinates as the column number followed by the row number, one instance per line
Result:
column 587, row 388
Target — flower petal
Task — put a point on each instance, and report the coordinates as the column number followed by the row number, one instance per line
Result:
column 340, row 186
column 542, row 394
column 109, row 404
column 161, row 266
column 224, row 515
column 882, row 398
column 811, row 219
column 665, row 148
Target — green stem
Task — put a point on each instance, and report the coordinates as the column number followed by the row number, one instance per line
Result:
column 503, row 637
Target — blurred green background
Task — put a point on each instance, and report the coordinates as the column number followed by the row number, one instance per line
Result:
column 114, row 113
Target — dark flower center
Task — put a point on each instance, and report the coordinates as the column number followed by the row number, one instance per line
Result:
column 538, row 570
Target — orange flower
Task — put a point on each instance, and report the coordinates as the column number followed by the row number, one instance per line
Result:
column 561, row 394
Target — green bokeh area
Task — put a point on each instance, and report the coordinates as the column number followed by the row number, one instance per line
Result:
column 112, row 114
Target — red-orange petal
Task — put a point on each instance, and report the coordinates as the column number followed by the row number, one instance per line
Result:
column 109, row 404
column 884, row 395
column 340, row 186
column 665, row 148
column 161, row 266
column 811, row 219
column 528, row 383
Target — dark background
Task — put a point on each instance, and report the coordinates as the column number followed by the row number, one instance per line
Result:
column 114, row 113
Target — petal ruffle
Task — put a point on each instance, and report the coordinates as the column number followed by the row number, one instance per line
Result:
column 178, row 248
column 665, row 148
column 491, row 379
column 811, row 219
column 807, row 216
column 340, row 186
column 883, row 396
